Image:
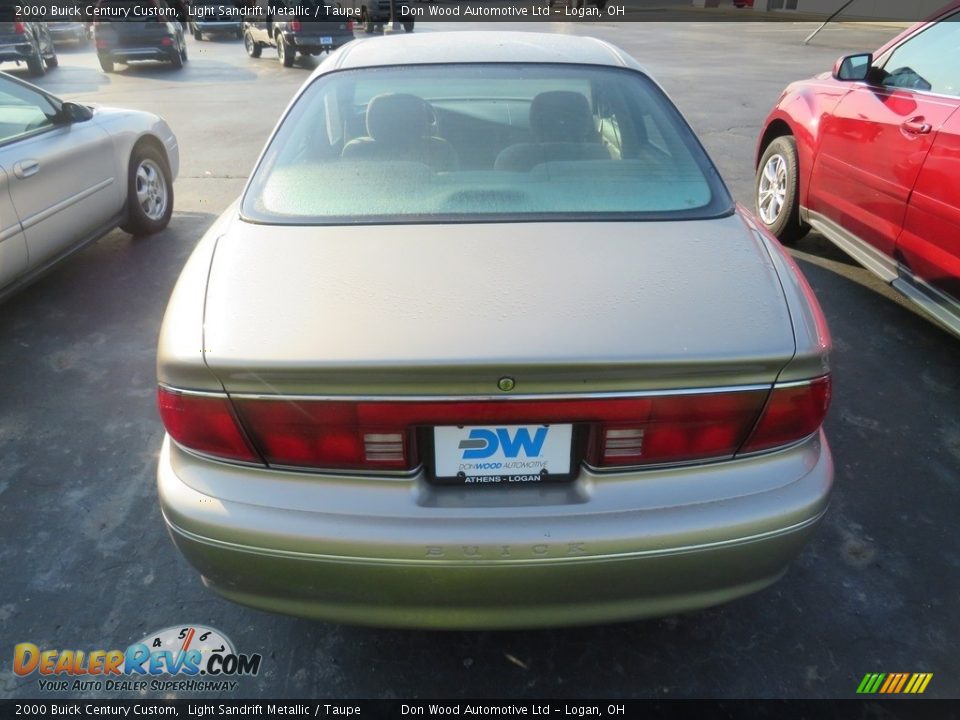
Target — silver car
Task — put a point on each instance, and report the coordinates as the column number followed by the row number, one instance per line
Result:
column 485, row 343
column 70, row 173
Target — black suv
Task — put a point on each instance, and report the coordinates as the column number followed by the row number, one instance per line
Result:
column 139, row 30
column 28, row 42
column 309, row 27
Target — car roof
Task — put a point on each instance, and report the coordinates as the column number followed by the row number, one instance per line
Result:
column 429, row 48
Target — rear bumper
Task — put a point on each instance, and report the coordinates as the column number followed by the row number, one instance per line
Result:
column 163, row 54
column 404, row 553
column 313, row 44
column 215, row 27
column 16, row 51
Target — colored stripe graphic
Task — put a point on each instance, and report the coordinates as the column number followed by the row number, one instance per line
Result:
column 894, row 683
column 870, row 683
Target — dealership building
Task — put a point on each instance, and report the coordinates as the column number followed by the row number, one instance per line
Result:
column 857, row 9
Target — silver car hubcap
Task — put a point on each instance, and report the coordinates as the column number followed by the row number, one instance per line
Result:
column 151, row 190
column 772, row 192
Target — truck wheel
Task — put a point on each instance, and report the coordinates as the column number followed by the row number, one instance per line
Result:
column 252, row 46
column 285, row 53
column 35, row 64
column 106, row 64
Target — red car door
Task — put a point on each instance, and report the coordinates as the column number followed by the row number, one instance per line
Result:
column 873, row 145
column 930, row 241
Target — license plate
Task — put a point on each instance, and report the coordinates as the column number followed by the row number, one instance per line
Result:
column 492, row 454
column 326, row 40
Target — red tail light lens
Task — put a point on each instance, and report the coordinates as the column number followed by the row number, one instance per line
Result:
column 166, row 41
column 295, row 26
column 19, row 28
column 205, row 424
column 350, row 25
column 678, row 428
column 792, row 413
column 381, row 435
column 101, row 44
column 334, row 435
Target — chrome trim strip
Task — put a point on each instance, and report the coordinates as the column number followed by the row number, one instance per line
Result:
column 9, row 232
column 64, row 204
column 875, row 261
column 637, row 554
column 220, row 394
column 506, row 396
column 472, row 398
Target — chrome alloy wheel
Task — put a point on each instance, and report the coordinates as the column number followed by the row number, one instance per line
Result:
column 772, row 189
column 151, row 189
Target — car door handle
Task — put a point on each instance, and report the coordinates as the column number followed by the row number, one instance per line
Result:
column 917, row 126
column 26, row 168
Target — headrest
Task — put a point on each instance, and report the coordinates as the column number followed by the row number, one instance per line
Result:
column 561, row 116
column 397, row 117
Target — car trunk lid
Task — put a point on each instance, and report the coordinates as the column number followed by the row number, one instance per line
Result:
column 452, row 309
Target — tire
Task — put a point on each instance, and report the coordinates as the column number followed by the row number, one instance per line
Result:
column 183, row 49
column 35, row 66
column 252, row 46
column 197, row 35
column 106, row 64
column 369, row 26
column 149, row 192
column 285, row 53
column 776, row 191
column 177, row 59
column 50, row 60
column 408, row 26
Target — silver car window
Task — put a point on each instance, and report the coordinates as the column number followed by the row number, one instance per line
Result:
column 23, row 111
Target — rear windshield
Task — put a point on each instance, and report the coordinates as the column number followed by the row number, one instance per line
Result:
column 497, row 142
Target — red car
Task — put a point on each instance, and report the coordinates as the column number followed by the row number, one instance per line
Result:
column 869, row 155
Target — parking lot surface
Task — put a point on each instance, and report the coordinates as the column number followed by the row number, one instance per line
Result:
column 86, row 562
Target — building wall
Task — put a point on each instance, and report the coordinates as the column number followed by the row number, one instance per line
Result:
column 874, row 9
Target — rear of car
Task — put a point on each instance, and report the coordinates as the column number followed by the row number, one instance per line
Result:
column 320, row 27
column 63, row 31
column 522, row 363
column 131, row 30
column 19, row 42
column 218, row 18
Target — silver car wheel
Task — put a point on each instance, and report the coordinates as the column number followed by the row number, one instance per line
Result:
column 772, row 190
column 151, row 189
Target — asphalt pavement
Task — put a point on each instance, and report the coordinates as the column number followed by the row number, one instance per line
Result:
column 86, row 563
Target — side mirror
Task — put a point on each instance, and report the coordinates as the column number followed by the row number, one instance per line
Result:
column 72, row 112
column 853, row 67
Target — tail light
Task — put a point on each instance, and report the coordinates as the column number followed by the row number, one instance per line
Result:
column 350, row 25
column 793, row 411
column 19, row 28
column 166, row 42
column 294, row 26
column 102, row 44
column 204, row 423
column 678, row 428
column 336, row 435
column 381, row 435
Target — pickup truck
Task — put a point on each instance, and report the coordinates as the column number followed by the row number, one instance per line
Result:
column 30, row 43
column 307, row 27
